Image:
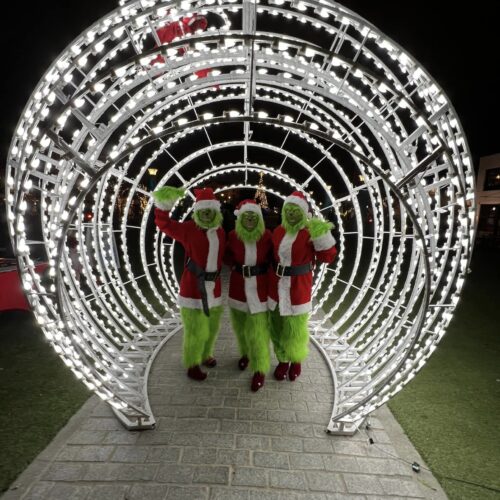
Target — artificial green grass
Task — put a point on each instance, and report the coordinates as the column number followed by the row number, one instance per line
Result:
column 450, row 410
column 38, row 394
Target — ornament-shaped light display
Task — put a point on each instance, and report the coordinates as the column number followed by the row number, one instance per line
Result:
column 306, row 92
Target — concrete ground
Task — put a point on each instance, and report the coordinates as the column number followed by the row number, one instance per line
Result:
column 218, row 440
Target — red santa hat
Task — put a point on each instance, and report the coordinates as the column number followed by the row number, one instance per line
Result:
column 299, row 199
column 205, row 198
column 248, row 206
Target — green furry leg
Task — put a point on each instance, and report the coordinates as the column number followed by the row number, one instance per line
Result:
column 214, row 328
column 257, row 338
column 238, row 320
column 295, row 339
column 196, row 334
column 276, row 330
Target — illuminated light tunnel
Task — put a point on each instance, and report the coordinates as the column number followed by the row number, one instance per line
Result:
column 287, row 94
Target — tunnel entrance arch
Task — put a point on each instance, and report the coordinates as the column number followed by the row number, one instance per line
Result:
column 299, row 94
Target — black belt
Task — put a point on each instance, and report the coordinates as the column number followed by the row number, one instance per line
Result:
column 201, row 277
column 249, row 271
column 293, row 270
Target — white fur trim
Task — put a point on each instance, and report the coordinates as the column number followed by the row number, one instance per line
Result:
column 237, row 304
column 213, row 250
column 299, row 309
column 324, row 242
column 251, row 292
column 243, row 306
column 211, row 265
column 284, row 283
column 200, row 205
column 196, row 303
column 271, row 304
column 293, row 310
column 248, row 207
column 297, row 201
column 164, row 205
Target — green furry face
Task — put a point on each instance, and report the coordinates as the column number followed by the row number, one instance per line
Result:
column 293, row 218
column 207, row 218
column 244, row 231
column 249, row 220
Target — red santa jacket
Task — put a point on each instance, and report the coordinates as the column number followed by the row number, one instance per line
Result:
column 248, row 294
column 205, row 247
column 176, row 29
column 293, row 293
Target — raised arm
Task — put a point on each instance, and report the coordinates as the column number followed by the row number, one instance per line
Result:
column 164, row 199
column 322, row 239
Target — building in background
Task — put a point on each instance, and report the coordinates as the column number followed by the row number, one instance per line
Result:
column 488, row 201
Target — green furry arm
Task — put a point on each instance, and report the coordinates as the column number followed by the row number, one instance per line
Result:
column 318, row 227
column 165, row 197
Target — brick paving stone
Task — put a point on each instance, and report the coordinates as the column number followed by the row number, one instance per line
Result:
column 163, row 454
column 248, row 476
column 211, row 475
column 271, row 428
column 87, row 437
column 226, row 413
column 401, row 487
column 187, row 493
column 74, row 491
column 61, row 471
column 108, row 492
column 253, row 442
column 301, row 430
column 281, row 416
column 235, row 426
column 199, row 455
column 341, row 463
column 134, row 454
column 362, row 483
column 288, row 480
column 172, row 473
column 38, row 491
column 233, row 457
column 147, row 492
column 85, row 453
column 317, row 445
column 287, row 444
column 231, row 493
column 303, row 461
column 120, row 472
column 324, row 481
column 271, row 460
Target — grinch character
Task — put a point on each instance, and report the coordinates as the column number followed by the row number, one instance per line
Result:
column 248, row 252
column 200, row 298
column 298, row 242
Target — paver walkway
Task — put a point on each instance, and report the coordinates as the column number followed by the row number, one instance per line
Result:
column 218, row 440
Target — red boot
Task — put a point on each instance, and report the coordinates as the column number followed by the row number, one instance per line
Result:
column 257, row 381
column 210, row 362
column 294, row 372
column 196, row 374
column 280, row 371
column 243, row 363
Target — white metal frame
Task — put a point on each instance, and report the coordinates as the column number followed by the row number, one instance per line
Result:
column 379, row 311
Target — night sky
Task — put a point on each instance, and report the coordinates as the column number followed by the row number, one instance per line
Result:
column 459, row 47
